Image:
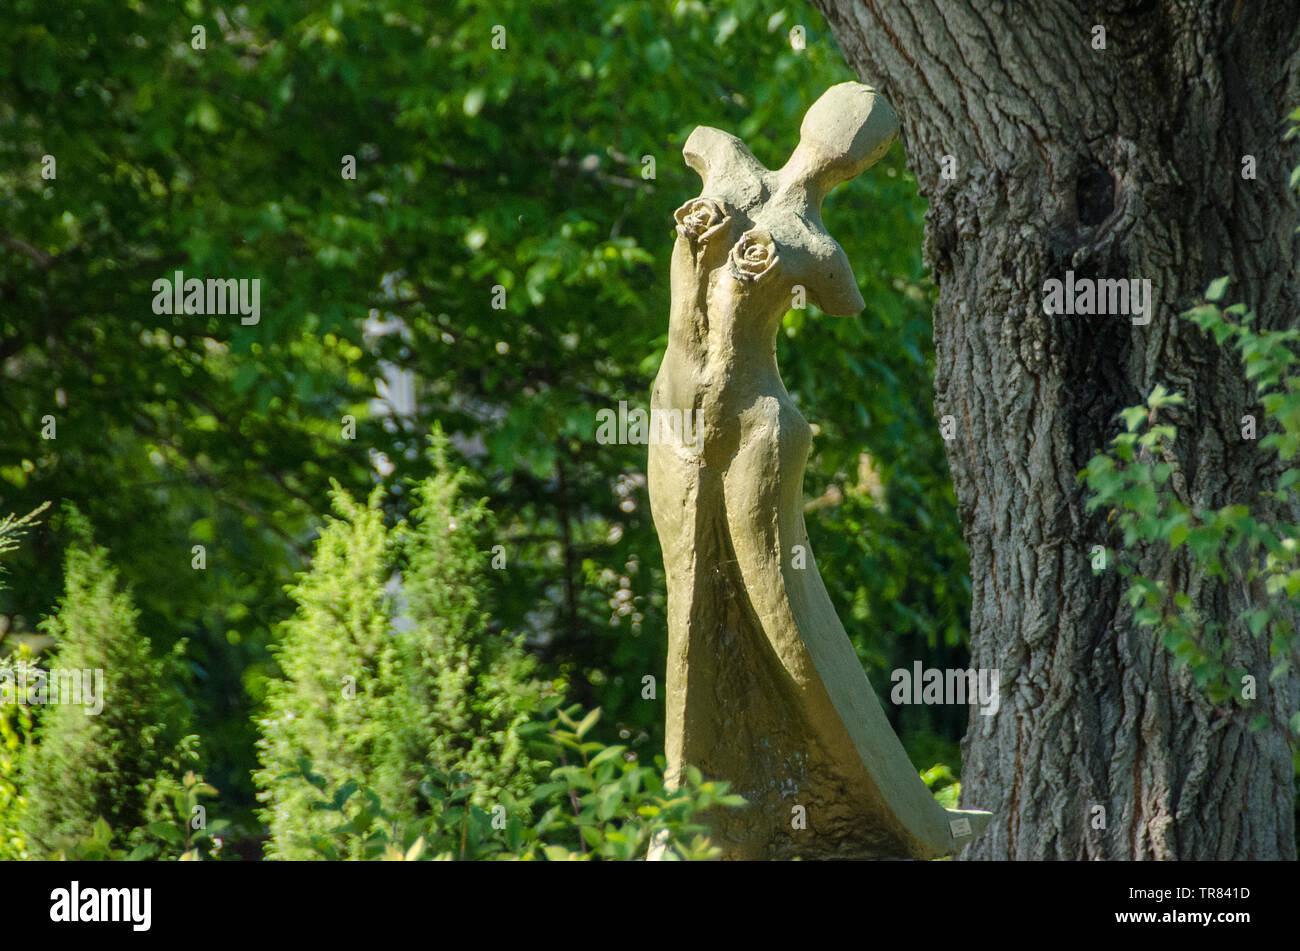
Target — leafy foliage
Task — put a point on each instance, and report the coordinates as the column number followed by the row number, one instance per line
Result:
column 184, row 835
column 1230, row 545
column 609, row 807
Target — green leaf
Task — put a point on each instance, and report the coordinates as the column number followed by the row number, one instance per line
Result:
column 659, row 54
column 344, row 793
column 1204, row 541
column 167, row 832
column 1177, row 535
column 1133, row 417
column 588, row 722
column 144, row 852
column 607, row 754
column 1218, row 287
column 1257, row 620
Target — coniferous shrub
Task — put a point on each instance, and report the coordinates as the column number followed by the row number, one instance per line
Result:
column 472, row 692
column 15, row 719
column 399, row 686
column 338, row 663
column 119, row 765
column 15, row 729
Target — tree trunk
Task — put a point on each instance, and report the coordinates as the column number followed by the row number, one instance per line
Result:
column 1122, row 162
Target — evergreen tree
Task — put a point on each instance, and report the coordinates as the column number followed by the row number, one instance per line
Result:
column 336, row 654
column 394, row 692
column 472, row 689
column 119, row 764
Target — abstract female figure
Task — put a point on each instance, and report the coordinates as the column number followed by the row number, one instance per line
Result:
column 764, row 688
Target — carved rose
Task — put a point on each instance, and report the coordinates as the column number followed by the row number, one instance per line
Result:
column 700, row 219
column 753, row 256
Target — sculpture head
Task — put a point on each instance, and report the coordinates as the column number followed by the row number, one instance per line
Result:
column 844, row 133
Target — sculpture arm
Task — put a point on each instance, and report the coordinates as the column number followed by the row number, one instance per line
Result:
column 832, row 286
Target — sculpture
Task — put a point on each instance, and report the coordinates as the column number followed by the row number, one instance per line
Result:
column 763, row 687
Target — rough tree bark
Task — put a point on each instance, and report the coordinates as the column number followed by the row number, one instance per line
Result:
column 1117, row 163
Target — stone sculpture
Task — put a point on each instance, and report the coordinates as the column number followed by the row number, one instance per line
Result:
column 764, row 688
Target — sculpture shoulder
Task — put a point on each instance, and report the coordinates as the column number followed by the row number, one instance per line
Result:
column 708, row 149
column 726, row 166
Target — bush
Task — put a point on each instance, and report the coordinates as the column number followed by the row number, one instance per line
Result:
column 605, row 806
column 405, row 692
column 15, row 719
column 118, row 765
column 15, row 733
column 184, row 833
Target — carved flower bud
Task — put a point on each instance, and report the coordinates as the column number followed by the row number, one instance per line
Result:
column 700, row 219
column 753, row 256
